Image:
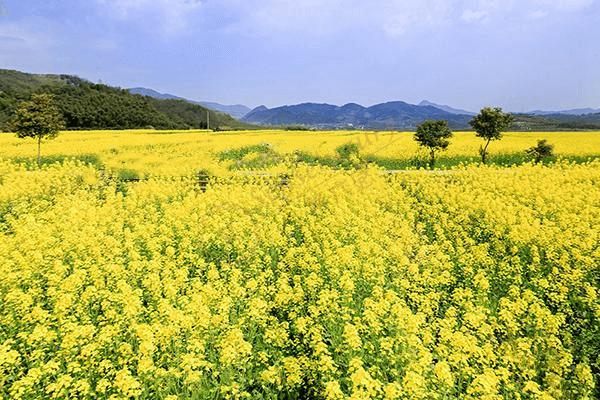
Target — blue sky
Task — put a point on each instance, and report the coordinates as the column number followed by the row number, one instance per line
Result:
column 518, row 54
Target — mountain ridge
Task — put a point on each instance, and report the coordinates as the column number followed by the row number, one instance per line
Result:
column 388, row 115
column 235, row 110
column 446, row 108
column 400, row 115
column 573, row 111
column 86, row 105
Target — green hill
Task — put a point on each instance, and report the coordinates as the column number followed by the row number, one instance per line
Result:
column 87, row 105
column 556, row 122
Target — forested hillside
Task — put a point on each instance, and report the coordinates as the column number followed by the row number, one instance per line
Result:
column 86, row 105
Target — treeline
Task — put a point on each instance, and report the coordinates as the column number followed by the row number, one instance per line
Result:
column 85, row 105
column 555, row 122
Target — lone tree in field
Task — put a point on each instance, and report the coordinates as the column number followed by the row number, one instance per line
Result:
column 541, row 151
column 434, row 136
column 349, row 154
column 38, row 118
column 489, row 125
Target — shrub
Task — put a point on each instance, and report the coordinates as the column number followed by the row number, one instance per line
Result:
column 541, row 151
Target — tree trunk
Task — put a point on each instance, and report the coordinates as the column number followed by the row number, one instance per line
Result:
column 39, row 155
column 484, row 152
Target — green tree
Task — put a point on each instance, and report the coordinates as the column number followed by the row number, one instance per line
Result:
column 542, row 150
column 434, row 136
column 348, row 150
column 349, row 155
column 38, row 118
column 489, row 125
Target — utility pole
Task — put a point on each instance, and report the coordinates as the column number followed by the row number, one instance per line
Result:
column 207, row 120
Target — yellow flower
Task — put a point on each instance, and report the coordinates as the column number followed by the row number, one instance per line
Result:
column 126, row 384
column 443, row 373
column 359, row 283
column 333, row 391
column 352, row 337
column 234, row 349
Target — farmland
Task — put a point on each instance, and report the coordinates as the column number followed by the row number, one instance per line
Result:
column 181, row 153
column 477, row 282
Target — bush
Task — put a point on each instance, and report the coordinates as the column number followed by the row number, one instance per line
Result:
column 541, row 151
column 348, row 150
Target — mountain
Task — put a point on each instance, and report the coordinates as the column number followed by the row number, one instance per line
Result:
column 391, row 115
column 86, row 105
column 449, row 109
column 574, row 111
column 235, row 110
column 154, row 94
column 399, row 115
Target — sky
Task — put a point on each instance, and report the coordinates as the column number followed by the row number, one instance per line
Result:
column 516, row 54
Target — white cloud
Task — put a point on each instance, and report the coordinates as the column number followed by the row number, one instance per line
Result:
column 538, row 14
column 312, row 17
column 474, row 15
column 169, row 16
column 25, row 33
column 23, row 44
column 563, row 5
column 483, row 11
column 402, row 16
column 323, row 17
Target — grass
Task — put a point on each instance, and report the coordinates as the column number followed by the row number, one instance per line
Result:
column 446, row 162
column 30, row 162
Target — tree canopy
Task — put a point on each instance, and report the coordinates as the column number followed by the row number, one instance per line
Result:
column 433, row 135
column 489, row 125
column 542, row 150
column 38, row 118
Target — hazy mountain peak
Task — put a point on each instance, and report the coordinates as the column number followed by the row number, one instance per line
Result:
column 153, row 93
column 446, row 108
column 259, row 108
column 573, row 111
column 235, row 110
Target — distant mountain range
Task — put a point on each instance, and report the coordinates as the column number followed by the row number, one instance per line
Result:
column 574, row 111
column 236, row 110
column 398, row 115
column 391, row 115
column 394, row 115
column 86, row 105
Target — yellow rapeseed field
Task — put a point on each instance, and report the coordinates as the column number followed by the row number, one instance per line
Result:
column 474, row 282
column 180, row 153
column 479, row 283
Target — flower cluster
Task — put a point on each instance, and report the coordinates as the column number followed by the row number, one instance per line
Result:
column 477, row 283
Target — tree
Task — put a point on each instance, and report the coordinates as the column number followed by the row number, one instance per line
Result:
column 349, row 154
column 489, row 125
column 541, row 151
column 434, row 135
column 348, row 150
column 38, row 118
